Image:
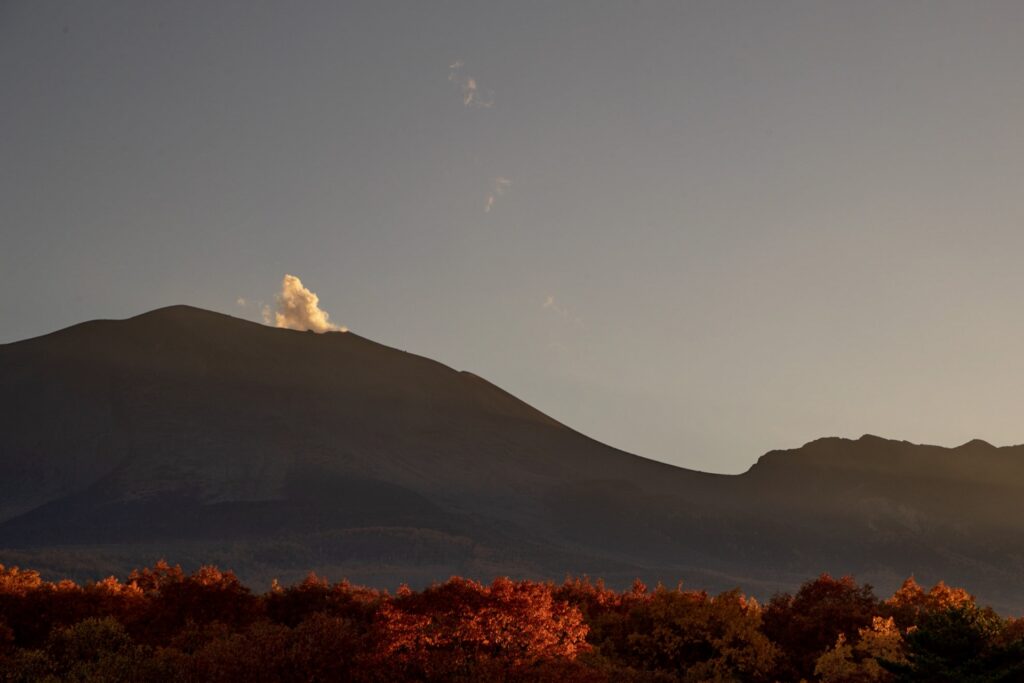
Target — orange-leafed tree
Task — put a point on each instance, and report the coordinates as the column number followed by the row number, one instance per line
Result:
column 911, row 603
column 18, row 582
column 861, row 660
column 463, row 630
column 126, row 602
column 152, row 580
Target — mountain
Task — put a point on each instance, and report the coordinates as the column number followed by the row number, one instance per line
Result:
column 208, row 439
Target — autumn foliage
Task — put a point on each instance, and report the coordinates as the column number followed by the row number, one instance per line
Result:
column 161, row 624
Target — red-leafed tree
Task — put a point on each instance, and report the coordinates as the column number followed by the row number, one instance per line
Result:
column 329, row 648
column 174, row 600
column 16, row 588
column 314, row 595
column 807, row 624
column 32, row 607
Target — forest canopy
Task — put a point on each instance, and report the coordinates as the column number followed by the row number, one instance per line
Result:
column 161, row 624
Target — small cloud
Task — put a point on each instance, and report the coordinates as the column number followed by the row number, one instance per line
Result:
column 499, row 186
column 257, row 304
column 564, row 330
column 297, row 308
column 472, row 96
column 551, row 304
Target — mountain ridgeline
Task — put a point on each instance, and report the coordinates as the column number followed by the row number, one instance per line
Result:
column 194, row 435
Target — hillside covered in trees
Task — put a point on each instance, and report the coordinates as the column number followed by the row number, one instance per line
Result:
column 161, row 624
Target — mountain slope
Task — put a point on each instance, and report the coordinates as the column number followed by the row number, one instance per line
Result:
column 202, row 437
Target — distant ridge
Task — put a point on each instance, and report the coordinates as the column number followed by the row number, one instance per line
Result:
column 187, row 433
column 975, row 444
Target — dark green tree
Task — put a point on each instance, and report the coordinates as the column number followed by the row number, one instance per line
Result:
column 963, row 644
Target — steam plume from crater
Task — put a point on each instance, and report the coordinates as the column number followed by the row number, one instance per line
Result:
column 297, row 308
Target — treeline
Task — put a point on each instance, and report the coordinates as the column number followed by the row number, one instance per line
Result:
column 163, row 625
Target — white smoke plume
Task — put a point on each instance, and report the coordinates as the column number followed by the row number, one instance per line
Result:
column 472, row 96
column 499, row 186
column 297, row 308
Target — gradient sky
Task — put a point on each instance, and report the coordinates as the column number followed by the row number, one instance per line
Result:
column 728, row 227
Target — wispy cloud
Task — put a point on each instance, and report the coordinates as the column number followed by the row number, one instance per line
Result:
column 257, row 304
column 297, row 308
column 472, row 96
column 565, row 330
column 499, row 186
column 551, row 304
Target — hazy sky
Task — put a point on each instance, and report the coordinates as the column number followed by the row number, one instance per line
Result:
column 695, row 231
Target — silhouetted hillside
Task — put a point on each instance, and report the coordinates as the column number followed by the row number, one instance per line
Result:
column 189, row 433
